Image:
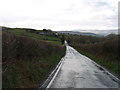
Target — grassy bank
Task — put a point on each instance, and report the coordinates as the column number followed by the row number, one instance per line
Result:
column 29, row 74
column 112, row 66
column 104, row 53
column 27, row 61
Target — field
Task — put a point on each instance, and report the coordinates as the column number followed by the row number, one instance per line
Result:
column 28, row 58
column 22, row 32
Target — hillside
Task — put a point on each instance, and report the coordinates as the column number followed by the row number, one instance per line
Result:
column 28, row 58
column 49, row 36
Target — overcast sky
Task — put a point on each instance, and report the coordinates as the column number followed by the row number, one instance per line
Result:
column 59, row 14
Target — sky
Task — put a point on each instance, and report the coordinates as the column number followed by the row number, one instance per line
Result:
column 60, row 14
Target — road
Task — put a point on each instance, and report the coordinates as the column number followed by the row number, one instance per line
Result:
column 78, row 71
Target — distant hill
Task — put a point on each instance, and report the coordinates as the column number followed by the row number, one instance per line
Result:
column 100, row 32
column 91, row 32
column 78, row 33
column 107, row 32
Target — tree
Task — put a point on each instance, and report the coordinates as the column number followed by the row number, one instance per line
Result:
column 44, row 30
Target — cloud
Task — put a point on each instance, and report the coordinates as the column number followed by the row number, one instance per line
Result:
column 59, row 14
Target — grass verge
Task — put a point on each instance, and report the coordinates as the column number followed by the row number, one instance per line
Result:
column 112, row 66
column 29, row 74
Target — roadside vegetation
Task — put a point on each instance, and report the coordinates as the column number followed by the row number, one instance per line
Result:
column 103, row 50
column 28, row 58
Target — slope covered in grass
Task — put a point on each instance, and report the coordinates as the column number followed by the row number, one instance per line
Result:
column 23, row 32
column 27, row 61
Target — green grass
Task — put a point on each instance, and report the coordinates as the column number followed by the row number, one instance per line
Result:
column 29, row 74
column 55, row 42
column 112, row 66
column 22, row 32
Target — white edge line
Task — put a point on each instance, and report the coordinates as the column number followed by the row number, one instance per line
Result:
column 55, row 73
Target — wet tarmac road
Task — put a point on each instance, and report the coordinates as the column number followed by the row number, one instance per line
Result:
column 78, row 71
